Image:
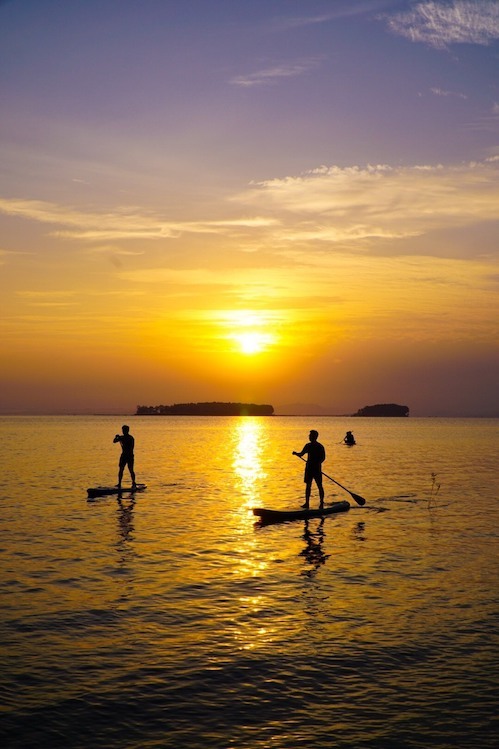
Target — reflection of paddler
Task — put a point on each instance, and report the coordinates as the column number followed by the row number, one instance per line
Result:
column 313, row 552
column 125, row 520
column 349, row 439
column 316, row 455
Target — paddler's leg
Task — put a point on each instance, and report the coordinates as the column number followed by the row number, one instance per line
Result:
column 132, row 473
column 307, row 495
column 321, row 492
column 120, row 471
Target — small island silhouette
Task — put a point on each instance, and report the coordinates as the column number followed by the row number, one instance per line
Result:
column 383, row 409
column 207, row 409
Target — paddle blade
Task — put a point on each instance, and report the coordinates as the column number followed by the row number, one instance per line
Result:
column 360, row 500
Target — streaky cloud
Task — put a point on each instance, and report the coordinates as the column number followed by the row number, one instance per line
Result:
column 46, row 294
column 442, row 92
column 115, row 250
column 121, row 223
column 347, row 10
column 272, row 75
column 378, row 202
column 442, row 24
column 486, row 122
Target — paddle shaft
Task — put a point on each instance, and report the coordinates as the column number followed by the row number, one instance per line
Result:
column 360, row 500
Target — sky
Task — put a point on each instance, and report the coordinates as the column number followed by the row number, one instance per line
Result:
column 292, row 202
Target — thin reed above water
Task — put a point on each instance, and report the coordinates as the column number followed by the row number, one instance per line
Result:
column 172, row 619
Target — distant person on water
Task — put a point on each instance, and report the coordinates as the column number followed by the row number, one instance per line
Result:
column 349, row 439
column 316, row 455
column 127, row 457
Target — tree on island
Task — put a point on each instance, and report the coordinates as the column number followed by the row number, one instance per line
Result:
column 383, row 409
column 207, row 409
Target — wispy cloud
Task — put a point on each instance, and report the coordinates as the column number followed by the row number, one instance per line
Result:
column 486, row 122
column 122, row 223
column 352, row 208
column 348, row 10
column 6, row 255
column 272, row 75
column 441, row 92
column 442, row 24
column 115, row 250
column 52, row 298
column 352, row 205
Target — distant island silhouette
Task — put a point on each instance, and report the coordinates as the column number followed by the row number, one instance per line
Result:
column 207, row 409
column 383, row 409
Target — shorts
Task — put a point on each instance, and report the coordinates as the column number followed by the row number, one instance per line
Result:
column 312, row 473
column 126, row 460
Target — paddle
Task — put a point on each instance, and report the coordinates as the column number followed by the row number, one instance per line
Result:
column 360, row 500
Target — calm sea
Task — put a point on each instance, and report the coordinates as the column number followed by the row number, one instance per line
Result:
column 172, row 620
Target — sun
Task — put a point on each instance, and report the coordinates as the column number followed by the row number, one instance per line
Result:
column 252, row 342
column 250, row 332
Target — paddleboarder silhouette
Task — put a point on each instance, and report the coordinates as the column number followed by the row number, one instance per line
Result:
column 316, row 455
column 127, row 455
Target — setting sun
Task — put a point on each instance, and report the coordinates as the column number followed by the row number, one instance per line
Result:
column 249, row 330
column 252, row 342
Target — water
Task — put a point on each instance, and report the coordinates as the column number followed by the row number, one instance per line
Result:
column 172, row 620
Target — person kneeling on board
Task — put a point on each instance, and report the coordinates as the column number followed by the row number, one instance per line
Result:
column 316, row 455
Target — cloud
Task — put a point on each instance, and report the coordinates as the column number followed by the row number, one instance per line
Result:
column 442, row 92
column 442, row 24
column 115, row 250
column 122, row 223
column 178, row 278
column 355, row 209
column 347, row 11
column 8, row 254
column 352, row 205
column 270, row 76
column 48, row 298
column 486, row 123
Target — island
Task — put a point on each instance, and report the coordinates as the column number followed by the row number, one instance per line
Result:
column 207, row 409
column 383, row 409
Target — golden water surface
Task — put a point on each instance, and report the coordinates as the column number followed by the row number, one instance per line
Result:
column 171, row 619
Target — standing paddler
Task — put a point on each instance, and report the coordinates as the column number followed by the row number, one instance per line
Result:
column 316, row 455
column 127, row 455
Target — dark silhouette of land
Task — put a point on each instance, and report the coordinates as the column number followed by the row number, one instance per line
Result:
column 207, row 409
column 383, row 409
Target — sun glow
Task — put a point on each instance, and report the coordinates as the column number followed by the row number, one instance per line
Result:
column 252, row 342
column 250, row 330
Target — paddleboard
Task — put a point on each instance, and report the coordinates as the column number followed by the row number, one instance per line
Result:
column 102, row 491
column 278, row 516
